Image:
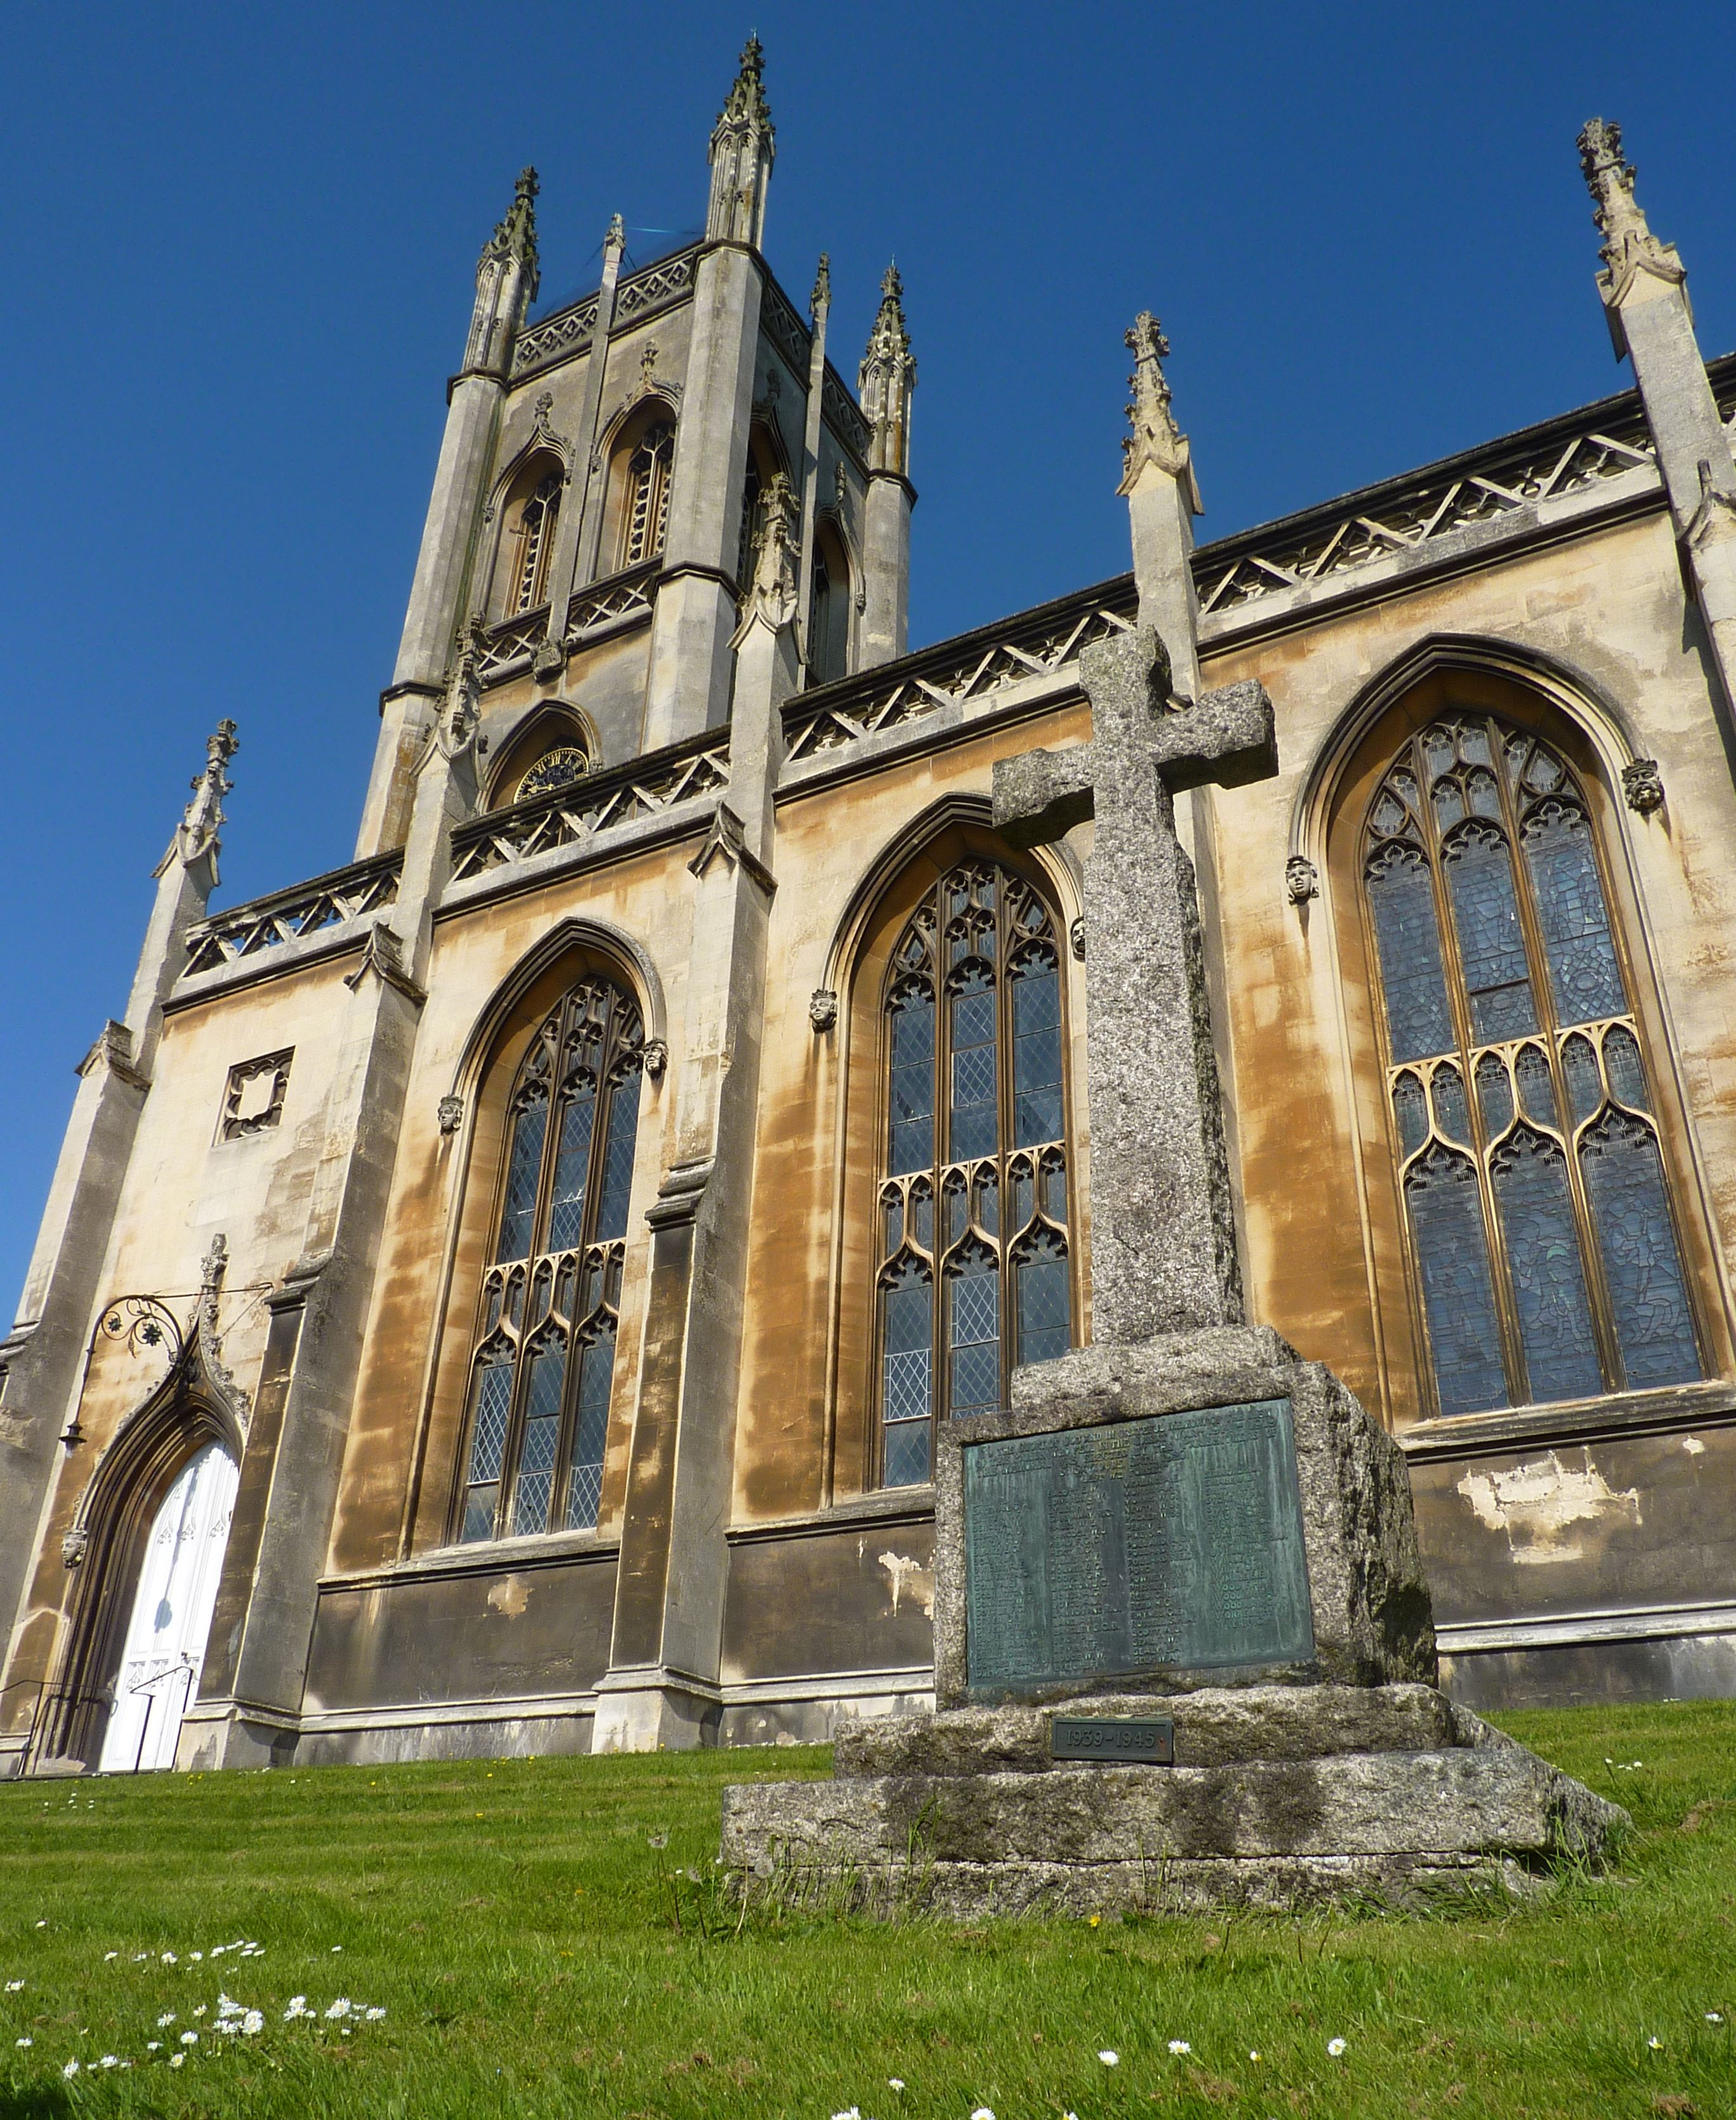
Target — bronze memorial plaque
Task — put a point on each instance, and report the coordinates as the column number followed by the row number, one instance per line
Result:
column 1172, row 1540
column 1121, row 1740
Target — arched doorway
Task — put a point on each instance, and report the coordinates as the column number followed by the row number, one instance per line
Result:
column 163, row 1646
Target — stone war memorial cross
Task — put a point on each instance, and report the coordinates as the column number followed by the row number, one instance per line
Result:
column 1184, row 1653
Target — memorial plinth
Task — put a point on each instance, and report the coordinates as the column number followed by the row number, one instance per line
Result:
column 1200, row 1531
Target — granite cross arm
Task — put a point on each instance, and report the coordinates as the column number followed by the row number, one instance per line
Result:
column 1163, row 1242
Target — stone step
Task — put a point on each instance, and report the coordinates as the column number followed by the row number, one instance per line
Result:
column 1215, row 1727
column 1491, row 1799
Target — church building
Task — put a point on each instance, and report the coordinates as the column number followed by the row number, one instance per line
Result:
column 499, row 1296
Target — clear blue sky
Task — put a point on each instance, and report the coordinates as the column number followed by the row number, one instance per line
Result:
column 240, row 242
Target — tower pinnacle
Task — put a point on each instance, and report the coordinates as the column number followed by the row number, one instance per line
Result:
column 743, row 146
column 886, row 379
column 516, row 236
column 1629, row 246
column 197, row 831
column 1156, row 439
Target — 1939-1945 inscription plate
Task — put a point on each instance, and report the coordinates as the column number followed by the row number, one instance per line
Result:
column 1173, row 1540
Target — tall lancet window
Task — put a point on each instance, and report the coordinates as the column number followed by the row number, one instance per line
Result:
column 536, row 536
column 1542, row 1238
column 645, row 512
column 545, row 1359
column 974, row 1276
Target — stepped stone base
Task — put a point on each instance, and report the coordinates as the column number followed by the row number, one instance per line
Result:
column 1281, row 1796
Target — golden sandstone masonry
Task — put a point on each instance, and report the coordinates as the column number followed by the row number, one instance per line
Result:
column 508, row 1294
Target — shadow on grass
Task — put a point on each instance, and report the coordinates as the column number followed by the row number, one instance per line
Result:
column 36, row 2101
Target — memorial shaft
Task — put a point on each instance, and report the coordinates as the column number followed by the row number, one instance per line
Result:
column 1163, row 1254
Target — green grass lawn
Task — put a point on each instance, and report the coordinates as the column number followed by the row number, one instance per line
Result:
column 536, row 1953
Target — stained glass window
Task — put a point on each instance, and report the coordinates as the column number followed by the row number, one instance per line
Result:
column 545, row 1359
column 1542, row 1232
column 975, row 1275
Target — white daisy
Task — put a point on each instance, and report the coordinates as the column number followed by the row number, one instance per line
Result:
column 1180, row 2047
column 1335, row 2046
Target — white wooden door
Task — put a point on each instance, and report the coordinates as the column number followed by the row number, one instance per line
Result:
column 171, row 1615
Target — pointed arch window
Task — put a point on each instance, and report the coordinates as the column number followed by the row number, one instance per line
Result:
column 645, row 513
column 974, row 1273
column 1542, row 1237
column 536, row 536
column 544, row 1360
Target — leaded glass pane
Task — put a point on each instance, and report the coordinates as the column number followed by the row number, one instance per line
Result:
column 585, row 1475
column 1536, row 1087
column 1584, row 978
column 480, row 1504
column 616, row 1182
column 1402, row 898
column 1584, row 1089
column 536, row 1456
column 912, row 1083
column 524, row 1161
column 1035, row 1052
column 571, row 1161
column 975, row 1128
column 1458, row 1299
column 1548, row 1277
column 1494, row 1095
column 1622, row 1061
column 1491, row 946
column 1411, row 1109
column 974, row 1301
column 492, row 1402
column 1624, row 1180
column 908, row 1443
column 1044, row 1302
column 1452, row 1114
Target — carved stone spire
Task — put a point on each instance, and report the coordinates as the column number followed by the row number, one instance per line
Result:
column 1155, row 440
column 821, row 297
column 887, row 377
column 516, row 237
column 743, row 146
column 197, row 834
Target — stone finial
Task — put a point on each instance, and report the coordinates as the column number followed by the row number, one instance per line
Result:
column 746, row 103
column 1629, row 246
column 203, row 819
column 887, row 377
column 744, row 145
column 771, row 595
column 1155, row 441
column 821, row 297
column 616, row 239
column 516, row 236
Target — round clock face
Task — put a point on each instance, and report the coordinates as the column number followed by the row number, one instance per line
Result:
column 558, row 768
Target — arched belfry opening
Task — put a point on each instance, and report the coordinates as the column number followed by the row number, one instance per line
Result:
column 145, row 1549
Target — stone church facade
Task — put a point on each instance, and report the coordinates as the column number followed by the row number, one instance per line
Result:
column 498, row 1296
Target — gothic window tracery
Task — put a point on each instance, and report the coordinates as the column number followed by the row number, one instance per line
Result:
column 1542, row 1237
column 645, row 509
column 974, row 1276
column 538, row 1410
column 536, row 536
